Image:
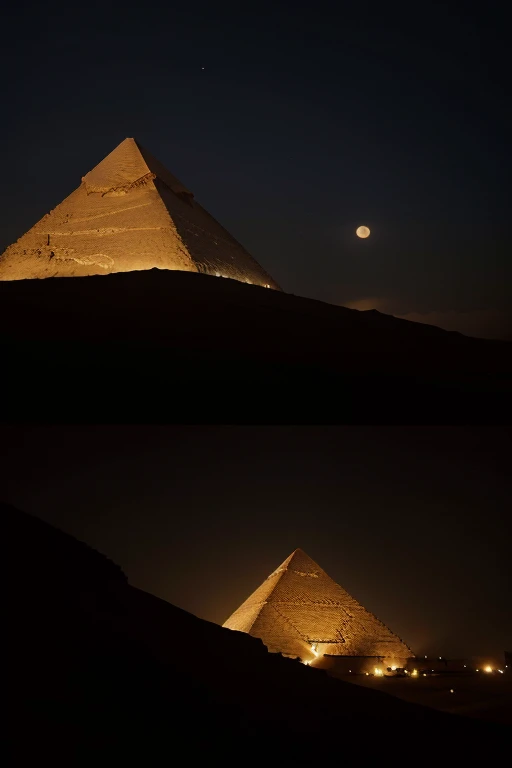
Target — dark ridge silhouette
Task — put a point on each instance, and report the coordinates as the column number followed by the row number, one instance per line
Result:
column 103, row 673
column 175, row 346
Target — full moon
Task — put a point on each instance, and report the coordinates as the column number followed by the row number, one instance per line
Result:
column 363, row 232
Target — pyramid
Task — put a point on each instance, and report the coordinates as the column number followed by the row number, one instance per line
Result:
column 300, row 611
column 129, row 213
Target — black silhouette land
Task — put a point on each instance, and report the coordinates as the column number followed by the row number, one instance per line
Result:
column 101, row 672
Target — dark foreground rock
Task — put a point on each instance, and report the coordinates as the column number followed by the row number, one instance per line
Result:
column 182, row 347
column 101, row 673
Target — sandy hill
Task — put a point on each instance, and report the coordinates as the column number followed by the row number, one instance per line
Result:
column 172, row 346
column 101, row 672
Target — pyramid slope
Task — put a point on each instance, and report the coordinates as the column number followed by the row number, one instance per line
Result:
column 245, row 616
column 129, row 213
column 300, row 606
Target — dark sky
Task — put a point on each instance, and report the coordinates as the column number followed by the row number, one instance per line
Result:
column 292, row 123
column 414, row 523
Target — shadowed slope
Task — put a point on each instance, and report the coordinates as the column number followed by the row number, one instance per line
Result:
column 169, row 345
column 102, row 671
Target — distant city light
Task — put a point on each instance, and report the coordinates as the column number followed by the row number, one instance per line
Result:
column 379, row 672
column 488, row 669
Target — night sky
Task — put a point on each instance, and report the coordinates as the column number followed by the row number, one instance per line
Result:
column 414, row 523
column 292, row 124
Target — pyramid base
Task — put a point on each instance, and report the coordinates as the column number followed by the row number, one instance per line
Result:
column 363, row 665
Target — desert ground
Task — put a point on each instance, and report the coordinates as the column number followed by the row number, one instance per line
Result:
column 481, row 695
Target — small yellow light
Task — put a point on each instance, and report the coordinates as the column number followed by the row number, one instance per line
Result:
column 488, row 669
column 314, row 650
column 367, row 674
column 451, row 690
column 414, row 673
column 378, row 672
column 424, row 674
column 393, row 668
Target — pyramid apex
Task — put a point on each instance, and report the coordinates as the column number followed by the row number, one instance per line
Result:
column 300, row 551
column 119, row 170
column 298, row 559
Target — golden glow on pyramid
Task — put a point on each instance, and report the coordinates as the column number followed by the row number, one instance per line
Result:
column 129, row 213
column 300, row 611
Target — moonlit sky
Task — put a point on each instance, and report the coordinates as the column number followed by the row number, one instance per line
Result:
column 414, row 523
column 292, row 124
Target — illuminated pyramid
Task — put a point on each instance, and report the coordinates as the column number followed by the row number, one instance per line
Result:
column 300, row 611
column 129, row 213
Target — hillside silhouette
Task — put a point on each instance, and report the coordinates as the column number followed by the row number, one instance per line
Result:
column 103, row 673
column 163, row 345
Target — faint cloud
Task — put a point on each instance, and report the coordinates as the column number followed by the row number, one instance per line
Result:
column 369, row 303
